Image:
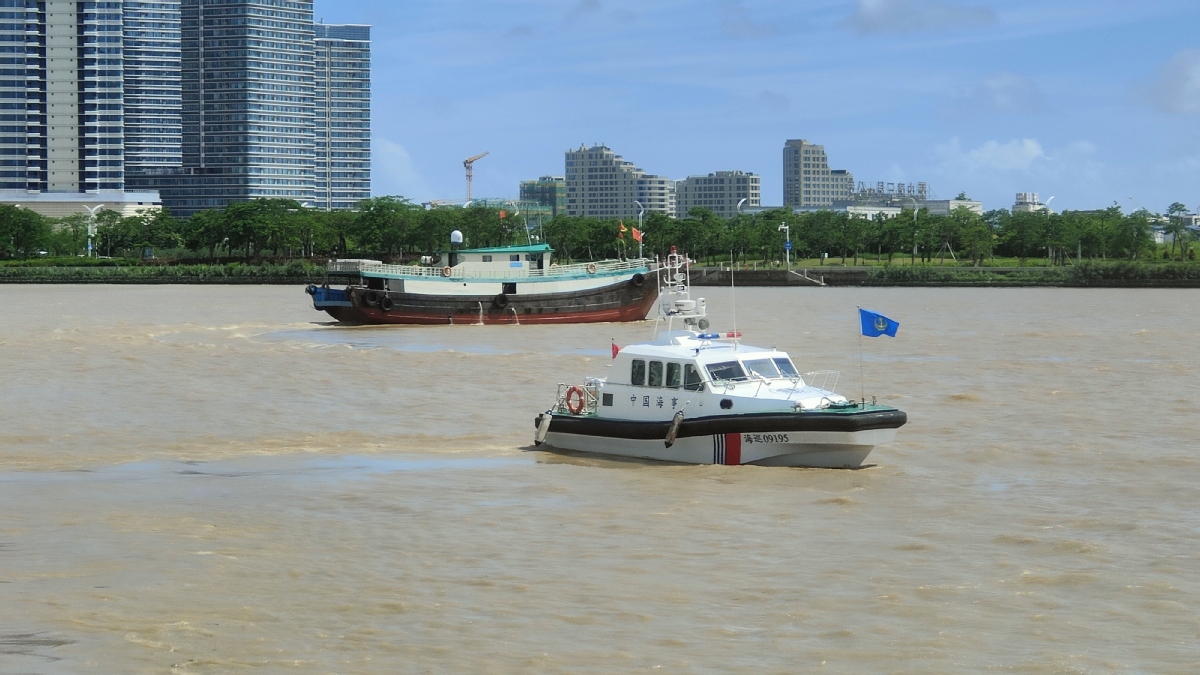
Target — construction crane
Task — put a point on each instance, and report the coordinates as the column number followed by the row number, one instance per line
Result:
column 470, row 164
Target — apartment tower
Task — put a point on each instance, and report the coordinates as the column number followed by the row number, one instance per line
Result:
column 807, row 179
column 247, row 83
column 601, row 184
column 153, row 89
column 342, row 98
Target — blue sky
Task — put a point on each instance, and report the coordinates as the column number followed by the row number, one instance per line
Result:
column 1089, row 101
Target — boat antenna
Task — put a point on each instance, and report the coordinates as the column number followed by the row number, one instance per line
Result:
column 733, row 292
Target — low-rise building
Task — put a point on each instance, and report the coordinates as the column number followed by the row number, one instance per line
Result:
column 546, row 191
column 718, row 192
column 62, row 204
column 1028, row 202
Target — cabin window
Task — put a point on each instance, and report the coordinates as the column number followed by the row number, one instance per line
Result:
column 637, row 375
column 691, row 378
column 762, row 368
column 487, row 258
column 674, row 374
column 726, row 370
column 515, row 257
column 656, row 374
column 606, row 399
column 786, row 368
column 509, row 287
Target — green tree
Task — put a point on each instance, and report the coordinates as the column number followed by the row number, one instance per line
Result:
column 1176, row 228
column 23, row 233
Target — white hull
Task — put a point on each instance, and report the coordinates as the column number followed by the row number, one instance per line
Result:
column 816, row 449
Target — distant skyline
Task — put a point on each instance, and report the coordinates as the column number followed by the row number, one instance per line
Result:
column 1090, row 101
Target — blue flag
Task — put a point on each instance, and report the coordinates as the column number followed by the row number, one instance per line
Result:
column 875, row 324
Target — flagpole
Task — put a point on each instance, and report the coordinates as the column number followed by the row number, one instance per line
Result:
column 862, row 386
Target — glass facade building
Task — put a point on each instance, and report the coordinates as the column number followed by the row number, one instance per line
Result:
column 342, row 75
column 247, row 82
column 153, row 97
column 207, row 101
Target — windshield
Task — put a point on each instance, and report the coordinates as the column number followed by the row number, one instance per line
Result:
column 786, row 368
column 729, row 370
column 764, row 368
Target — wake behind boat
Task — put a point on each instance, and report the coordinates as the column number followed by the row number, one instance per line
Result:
column 507, row 284
column 701, row 397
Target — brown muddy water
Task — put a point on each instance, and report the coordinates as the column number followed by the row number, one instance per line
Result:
column 213, row 479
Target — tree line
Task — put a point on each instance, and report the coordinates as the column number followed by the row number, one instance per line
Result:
column 396, row 229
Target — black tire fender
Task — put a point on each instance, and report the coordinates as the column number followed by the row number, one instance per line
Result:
column 386, row 304
column 638, row 280
column 500, row 301
column 372, row 298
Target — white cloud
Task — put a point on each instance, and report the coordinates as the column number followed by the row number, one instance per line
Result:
column 1015, row 155
column 917, row 16
column 1177, row 88
column 393, row 172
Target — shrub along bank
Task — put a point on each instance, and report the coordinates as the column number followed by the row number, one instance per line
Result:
column 296, row 272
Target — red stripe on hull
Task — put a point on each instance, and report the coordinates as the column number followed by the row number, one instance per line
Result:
column 599, row 316
column 733, row 449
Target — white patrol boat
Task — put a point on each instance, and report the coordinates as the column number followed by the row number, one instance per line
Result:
column 701, row 397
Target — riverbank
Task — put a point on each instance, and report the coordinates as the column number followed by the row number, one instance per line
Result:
column 1090, row 274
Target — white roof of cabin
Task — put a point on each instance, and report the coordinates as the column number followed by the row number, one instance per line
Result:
column 686, row 345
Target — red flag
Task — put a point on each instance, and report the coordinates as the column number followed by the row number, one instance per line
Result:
column 637, row 234
column 615, row 349
column 503, row 214
column 621, row 233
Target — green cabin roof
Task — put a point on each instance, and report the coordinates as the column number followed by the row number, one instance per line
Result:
column 534, row 248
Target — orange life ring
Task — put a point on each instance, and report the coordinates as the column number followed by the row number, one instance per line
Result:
column 447, row 271
column 576, row 398
column 591, row 268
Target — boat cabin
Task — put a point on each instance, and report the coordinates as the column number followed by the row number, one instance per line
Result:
column 506, row 260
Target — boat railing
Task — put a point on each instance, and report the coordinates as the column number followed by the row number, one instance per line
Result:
column 821, row 379
column 604, row 267
column 591, row 398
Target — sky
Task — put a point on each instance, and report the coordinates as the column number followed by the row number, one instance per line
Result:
column 1088, row 101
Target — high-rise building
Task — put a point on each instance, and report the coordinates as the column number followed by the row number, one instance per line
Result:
column 61, row 100
column 547, row 191
column 342, row 96
column 153, row 97
column 718, row 192
column 807, row 179
column 208, row 101
column 248, row 128
column 22, row 138
column 601, row 184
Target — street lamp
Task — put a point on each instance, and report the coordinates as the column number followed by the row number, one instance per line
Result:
column 92, row 224
column 787, row 246
column 641, row 212
column 915, row 209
